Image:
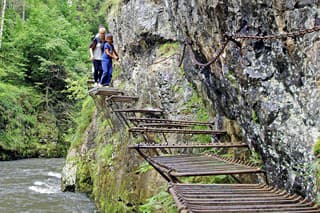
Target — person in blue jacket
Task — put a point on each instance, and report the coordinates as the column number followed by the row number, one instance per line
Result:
column 109, row 53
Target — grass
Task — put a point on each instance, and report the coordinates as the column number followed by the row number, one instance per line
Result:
column 254, row 116
column 168, row 49
column 144, row 167
column 83, row 120
column 316, row 164
column 160, row 202
column 316, row 148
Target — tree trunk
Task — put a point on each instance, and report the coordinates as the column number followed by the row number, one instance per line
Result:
column 4, row 2
column 24, row 10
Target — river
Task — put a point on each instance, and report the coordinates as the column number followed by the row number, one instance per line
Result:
column 33, row 185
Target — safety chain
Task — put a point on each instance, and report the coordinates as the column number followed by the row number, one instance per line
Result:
column 195, row 61
column 233, row 37
column 274, row 37
column 183, row 54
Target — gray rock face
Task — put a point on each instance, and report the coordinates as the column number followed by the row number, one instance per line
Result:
column 270, row 88
column 150, row 52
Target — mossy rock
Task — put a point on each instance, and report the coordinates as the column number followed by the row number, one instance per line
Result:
column 316, row 148
column 84, row 181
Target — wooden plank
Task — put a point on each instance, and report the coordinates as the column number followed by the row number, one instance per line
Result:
column 122, row 98
column 105, row 91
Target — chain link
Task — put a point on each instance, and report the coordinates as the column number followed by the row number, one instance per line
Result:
column 234, row 37
column 275, row 37
column 214, row 59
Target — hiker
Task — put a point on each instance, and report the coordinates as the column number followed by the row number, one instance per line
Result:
column 96, row 50
column 109, row 53
column 99, row 27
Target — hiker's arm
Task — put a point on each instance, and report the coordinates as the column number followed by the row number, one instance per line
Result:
column 116, row 54
column 92, row 46
column 91, row 54
column 108, row 53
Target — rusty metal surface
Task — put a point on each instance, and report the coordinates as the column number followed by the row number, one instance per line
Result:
column 122, row 98
column 156, row 120
column 201, row 165
column 106, row 91
column 177, row 131
column 237, row 198
column 189, row 145
column 165, row 125
column 151, row 111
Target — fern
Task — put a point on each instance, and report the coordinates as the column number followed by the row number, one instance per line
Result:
column 161, row 202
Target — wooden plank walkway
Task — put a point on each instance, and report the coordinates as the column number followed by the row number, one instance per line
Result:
column 105, row 91
column 122, row 98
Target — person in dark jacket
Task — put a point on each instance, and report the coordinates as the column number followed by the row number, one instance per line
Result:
column 96, row 51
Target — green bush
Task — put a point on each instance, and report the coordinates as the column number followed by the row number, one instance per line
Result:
column 161, row 202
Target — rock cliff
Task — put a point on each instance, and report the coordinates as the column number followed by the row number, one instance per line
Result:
column 267, row 91
column 269, row 88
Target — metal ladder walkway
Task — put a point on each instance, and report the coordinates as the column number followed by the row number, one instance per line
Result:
column 202, row 198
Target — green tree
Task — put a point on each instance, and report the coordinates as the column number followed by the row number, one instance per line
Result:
column 44, row 58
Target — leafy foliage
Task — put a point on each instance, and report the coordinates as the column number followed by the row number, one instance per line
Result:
column 22, row 127
column 144, row 167
column 316, row 148
column 161, row 202
column 43, row 70
column 82, row 121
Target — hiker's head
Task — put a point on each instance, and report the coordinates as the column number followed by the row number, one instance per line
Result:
column 102, row 32
column 109, row 38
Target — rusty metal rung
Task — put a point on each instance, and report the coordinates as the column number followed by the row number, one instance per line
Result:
column 209, row 145
column 165, row 125
column 193, row 165
column 150, row 111
column 159, row 120
column 235, row 198
column 176, row 131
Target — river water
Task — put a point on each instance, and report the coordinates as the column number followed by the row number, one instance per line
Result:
column 33, row 185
